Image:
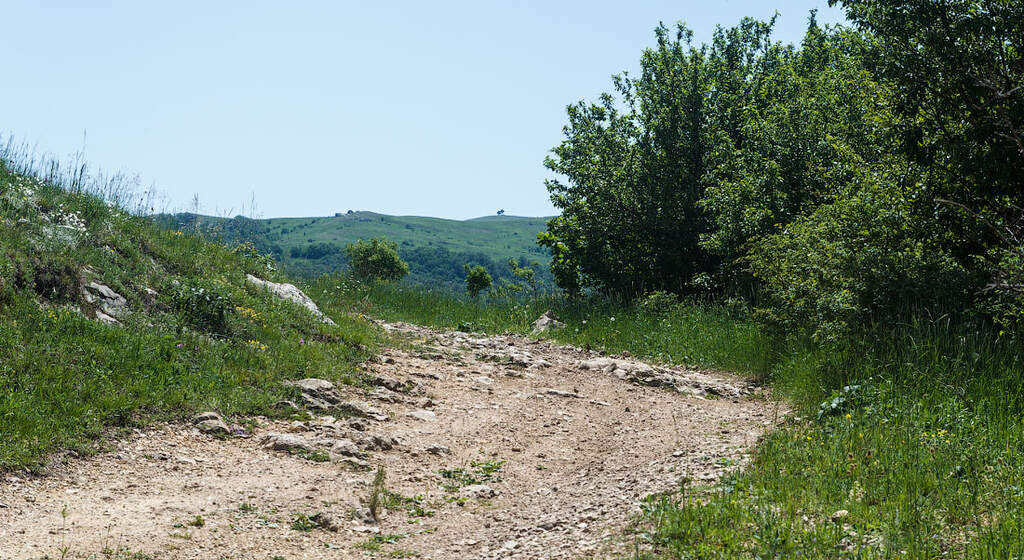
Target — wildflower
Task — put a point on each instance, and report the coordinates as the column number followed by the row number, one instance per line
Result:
column 178, row 345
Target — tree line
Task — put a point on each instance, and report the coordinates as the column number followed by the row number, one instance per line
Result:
column 871, row 170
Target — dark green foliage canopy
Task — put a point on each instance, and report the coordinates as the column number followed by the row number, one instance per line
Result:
column 865, row 171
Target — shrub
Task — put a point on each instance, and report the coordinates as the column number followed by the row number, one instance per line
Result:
column 255, row 262
column 857, row 259
column 658, row 303
column 51, row 276
column 1006, row 291
column 477, row 280
column 204, row 305
column 375, row 260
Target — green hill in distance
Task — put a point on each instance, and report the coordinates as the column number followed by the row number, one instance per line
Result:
column 435, row 248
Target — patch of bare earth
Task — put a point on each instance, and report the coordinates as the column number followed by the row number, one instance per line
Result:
column 547, row 451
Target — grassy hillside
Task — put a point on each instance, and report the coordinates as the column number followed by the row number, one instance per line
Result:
column 190, row 333
column 436, row 249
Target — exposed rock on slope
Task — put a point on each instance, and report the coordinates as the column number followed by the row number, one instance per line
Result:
column 291, row 293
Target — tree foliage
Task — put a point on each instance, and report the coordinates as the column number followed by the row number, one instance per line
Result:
column 868, row 170
column 477, row 280
column 375, row 260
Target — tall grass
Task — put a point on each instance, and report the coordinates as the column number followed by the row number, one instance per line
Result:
column 699, row 335
column 924, row 449
column 75, row 176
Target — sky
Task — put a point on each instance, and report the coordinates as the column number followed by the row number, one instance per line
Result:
column 308, row 108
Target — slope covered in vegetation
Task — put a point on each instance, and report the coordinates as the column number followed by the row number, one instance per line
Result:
column 190, row 335
column 436, row 249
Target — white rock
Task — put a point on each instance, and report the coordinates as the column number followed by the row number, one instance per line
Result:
column 423, row 415
column 291, row 293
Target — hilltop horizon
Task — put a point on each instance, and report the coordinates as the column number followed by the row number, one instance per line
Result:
column 358, row 212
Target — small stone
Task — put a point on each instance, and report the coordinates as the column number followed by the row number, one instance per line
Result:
column 363, row 515
column 378, row 442
column 288, row 292
column 386, row 395
column 480, row 491
column 206, row 416
column 214, row 427
column 362, row 410
column 366, row 529
column 358, row 424
column 357, row 464
column 436, row 449
column 561, row 393
column 285, row 442
column 422, row 415
column 327, row 521
column 347, row 448
column 546, row 322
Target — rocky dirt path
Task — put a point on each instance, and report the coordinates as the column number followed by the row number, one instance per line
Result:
column 491, row 447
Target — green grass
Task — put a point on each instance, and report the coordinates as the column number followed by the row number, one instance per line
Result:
column 201, row 340
column 926, row 454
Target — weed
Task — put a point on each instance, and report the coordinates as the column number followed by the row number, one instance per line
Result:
column 374, row 543
column 377, row 493
column 479, row 472
column 303, row 522
column 413, row 505
column 315, row 455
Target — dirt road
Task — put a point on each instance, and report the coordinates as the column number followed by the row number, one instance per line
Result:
column 492, row 447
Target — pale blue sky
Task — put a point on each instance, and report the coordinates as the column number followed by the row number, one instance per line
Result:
column 429, row 108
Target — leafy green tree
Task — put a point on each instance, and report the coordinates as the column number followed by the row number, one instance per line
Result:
column 629, row 220
column 477, row 280
column 712, row 148
column 783, row 126
column 958, row 73
column 375, row 260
